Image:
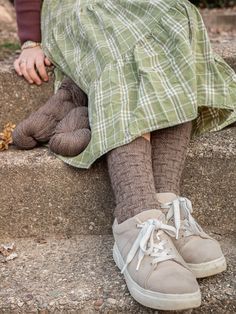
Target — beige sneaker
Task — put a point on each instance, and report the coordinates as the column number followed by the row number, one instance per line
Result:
column 156, row 275
column 202, row 254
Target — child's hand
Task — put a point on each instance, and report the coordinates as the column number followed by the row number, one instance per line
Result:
column 32, row 65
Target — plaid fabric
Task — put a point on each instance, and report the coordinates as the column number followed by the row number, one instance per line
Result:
column 145, row 65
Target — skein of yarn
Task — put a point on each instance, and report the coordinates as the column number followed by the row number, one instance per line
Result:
column 63, row 119
column 77, row 96
column 72, row 134
column 40, row 126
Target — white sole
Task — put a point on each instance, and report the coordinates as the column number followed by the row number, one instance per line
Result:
column 209, row 268
column 156, row 300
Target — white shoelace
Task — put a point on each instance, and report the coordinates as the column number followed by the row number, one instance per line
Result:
column 147, row 246
column 182, row 205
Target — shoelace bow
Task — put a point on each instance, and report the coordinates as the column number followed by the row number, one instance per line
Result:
column 147, row 246
column 182, row 205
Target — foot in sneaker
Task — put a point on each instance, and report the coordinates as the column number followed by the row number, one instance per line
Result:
column 202, row 254
column 155, row 273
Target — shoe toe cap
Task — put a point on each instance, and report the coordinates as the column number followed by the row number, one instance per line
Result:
column 201, row 250
column 172, row 278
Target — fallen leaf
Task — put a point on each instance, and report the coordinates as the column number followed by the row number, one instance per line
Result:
column 6, row 136
column 7, row 252
column 9, row 246
column 11, row 257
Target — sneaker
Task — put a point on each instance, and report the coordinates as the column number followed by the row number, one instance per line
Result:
column 202, row 254
column 155, row 273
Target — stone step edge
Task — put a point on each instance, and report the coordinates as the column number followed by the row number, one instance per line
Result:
column 217, row 144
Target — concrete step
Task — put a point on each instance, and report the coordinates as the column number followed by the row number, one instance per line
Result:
column 78, row 275
column 18, row 99
column 221, row 20
column 42, row 196
column 226, row 47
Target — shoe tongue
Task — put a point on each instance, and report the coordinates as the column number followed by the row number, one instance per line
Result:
column 164, row 198
column 151, row 214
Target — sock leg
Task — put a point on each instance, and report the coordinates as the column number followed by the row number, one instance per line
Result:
column 131, row 175
column 169, row 150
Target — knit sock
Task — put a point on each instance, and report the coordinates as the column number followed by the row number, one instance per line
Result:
column 131, row 175
column 169, row 151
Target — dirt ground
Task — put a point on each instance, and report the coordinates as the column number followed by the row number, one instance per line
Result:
column 219, row 28
column 9, row 42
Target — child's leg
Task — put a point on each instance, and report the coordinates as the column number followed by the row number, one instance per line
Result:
column 154, row 271
column 169, row 150
column 147, row 136
column 202, row 253
column 130, row 169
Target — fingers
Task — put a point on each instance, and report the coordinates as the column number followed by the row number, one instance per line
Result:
column 17, row 67
column 32, row 65
column 42, row 69
column 31, row 71
column 28, row 68
column 24, row 71
column 47, row 61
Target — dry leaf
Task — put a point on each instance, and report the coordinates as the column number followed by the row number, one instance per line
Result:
column 11, row 256
column 9, row 246
column 6, row 136
column 7, row 252
column 7, row 249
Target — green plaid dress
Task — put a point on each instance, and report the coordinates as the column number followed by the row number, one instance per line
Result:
column 144, row 64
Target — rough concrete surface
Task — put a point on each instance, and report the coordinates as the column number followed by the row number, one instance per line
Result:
column 7, row 22
column 18, row 99
column 222, row 19
column 227, row 49
column 40, row 195
column 78, row 275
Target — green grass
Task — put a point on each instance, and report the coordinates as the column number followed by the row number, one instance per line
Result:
column 8, row 48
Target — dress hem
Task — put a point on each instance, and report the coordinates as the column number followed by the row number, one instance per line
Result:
column 134, row 136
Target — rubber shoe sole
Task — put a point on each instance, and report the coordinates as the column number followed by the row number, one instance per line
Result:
column 209, row 268
column 156, row 300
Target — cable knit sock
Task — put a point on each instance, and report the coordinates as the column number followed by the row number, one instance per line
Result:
column 169, row 150
column 131, row 175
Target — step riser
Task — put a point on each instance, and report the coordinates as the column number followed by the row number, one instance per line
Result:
column 18, row 99
column 45, row 200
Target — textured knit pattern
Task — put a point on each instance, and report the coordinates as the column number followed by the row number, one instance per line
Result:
column 145, row 65
column 131, row 175
column 169, row 151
